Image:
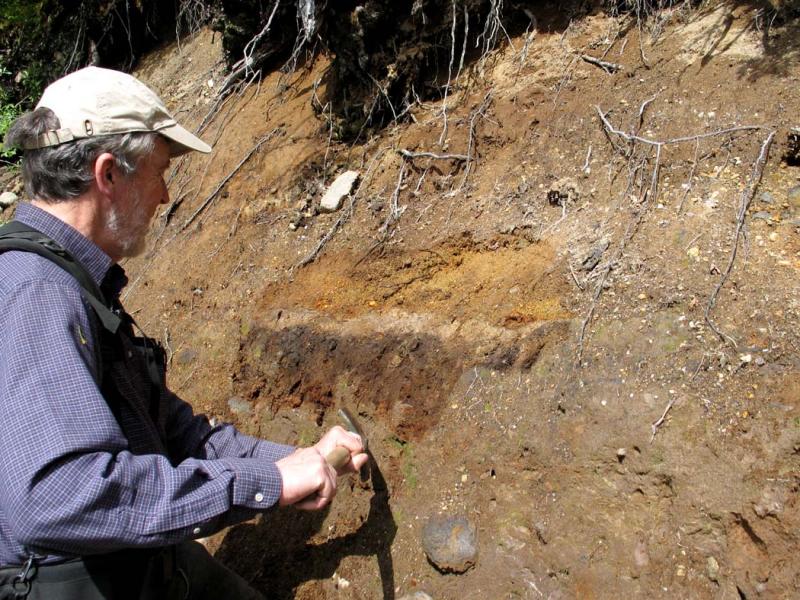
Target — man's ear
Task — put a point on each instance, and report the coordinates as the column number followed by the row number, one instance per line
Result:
column 106, row 174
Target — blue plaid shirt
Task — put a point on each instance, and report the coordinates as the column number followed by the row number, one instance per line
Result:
column 69, row 486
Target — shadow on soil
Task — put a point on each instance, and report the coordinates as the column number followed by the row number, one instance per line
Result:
column 277, row 556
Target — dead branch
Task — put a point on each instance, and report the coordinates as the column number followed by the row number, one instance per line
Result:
column 530, row 35
column 612, row 41
column 491, row 29
column 564, row 79
column 747, row 197
column 443, row 135
column 641, row 43
column 395, row 211
column 608, row 67
column 637, row 138
column 219, row 102
column 419, row 184
column 479, row 112
column 330, row 139
column 343, row 218
column 464, row 45
column 642, row 108
column 654, row 427
column 408, row 154
column 585, row 167
column 574, row 276
column 212, row 195
column 244, row 65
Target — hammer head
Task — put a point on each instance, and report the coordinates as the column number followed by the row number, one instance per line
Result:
column 351, row 425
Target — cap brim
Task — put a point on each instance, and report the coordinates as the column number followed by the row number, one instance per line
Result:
column 183, row 141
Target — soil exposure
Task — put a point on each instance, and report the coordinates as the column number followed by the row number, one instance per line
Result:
column 524, row 322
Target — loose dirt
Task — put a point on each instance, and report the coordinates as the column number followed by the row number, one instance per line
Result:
column 453, row 332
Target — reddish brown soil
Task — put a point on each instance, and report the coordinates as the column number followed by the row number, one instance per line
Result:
column 455, row 336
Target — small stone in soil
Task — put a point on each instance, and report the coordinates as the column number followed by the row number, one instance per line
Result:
column 712, row 568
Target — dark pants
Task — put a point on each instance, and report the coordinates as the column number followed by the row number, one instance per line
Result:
column 187, row 572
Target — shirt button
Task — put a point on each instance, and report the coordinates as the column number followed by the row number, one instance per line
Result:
column 196, row 530
column 259, row 497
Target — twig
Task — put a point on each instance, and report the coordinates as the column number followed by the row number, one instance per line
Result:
column 693, row 240
column 327, row 237
column 575, row 277
column 608, row 67
column 212, row 195
column 530, row 35
column 585, row 167
column 654, row 427
column 642, row 108
column 631, row 137
column 464, row 45
column 330, row 138
column 244, row 64
column 385, row 95
column 747, row 197
column 699, row 366
column 419, row 182
column 412, row 155
column 612, row 41
column 656, row 169
column 471, row 142
column 691, row 177
column 167, row 346
column 564, row 79
column 443, row 135
column 555, row 223
column 395, row 211
column 491, row 28
column 641, row 44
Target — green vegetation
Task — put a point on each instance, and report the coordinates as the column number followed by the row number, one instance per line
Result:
column 8, row 113
column 20, row 22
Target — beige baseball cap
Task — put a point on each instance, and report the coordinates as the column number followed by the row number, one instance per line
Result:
column 94, row 102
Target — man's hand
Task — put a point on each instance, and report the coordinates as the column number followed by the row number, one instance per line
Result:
column 309, row 482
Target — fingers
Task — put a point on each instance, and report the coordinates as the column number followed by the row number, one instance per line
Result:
column 306, row 473
column 337, row 436
column 359, row 460
column 309, row 481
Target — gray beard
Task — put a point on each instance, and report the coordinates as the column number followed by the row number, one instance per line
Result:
column 128, row 227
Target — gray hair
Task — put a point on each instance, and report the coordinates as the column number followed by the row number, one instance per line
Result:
column 64, row 172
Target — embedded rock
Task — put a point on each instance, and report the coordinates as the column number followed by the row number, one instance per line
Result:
column 451, row 543
column 338, row 190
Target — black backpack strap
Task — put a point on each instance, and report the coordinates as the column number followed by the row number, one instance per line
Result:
column 116, row 325
column 18, row 236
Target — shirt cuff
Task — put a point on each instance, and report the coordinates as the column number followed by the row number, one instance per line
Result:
column 257, row 483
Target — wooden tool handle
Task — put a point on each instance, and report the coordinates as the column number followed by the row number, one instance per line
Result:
column 338, row 457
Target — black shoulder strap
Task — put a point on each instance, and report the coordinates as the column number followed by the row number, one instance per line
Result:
column 18, row 236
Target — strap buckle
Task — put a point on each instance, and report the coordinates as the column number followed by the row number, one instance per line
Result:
column 22, row 581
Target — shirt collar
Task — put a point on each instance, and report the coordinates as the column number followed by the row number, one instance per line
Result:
column 85, row 251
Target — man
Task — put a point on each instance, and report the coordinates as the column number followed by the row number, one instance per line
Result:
column 105, row 475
